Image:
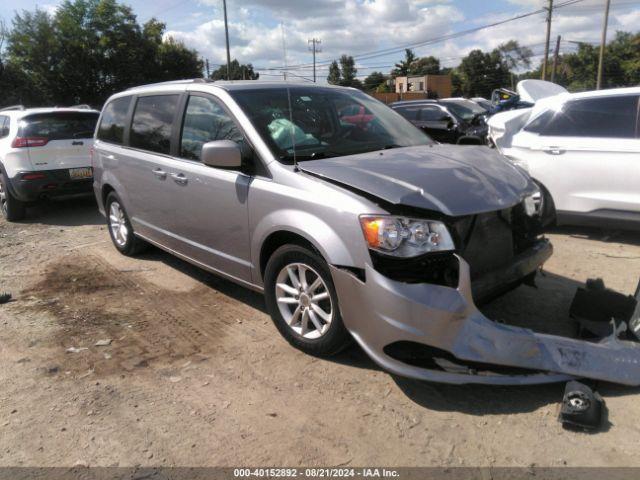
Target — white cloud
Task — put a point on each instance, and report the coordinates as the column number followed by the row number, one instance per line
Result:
column 360, row 26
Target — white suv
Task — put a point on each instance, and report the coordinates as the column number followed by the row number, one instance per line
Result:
column 44, row 152
column 584, row 149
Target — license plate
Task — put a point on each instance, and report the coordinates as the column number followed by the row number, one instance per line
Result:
column 80, row 173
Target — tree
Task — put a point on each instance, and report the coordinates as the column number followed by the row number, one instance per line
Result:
column 515, row 56
column 334, row 76
column 348, row 72
column 344, row 73
column 425, row 66
column 238, row 72
column 403, row 66
column 374, row 80
column 481, row 73
column 90, row 49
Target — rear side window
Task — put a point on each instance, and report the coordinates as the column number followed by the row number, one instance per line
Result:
column 410, row 113
column 59, row 125
column 205, row 121
column 605, row 117
column 4, row 126
column 114, row 119
column 432, row 114
column 152, row 123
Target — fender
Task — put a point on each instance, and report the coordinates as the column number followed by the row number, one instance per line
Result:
column 109, row 179
column 331, row 245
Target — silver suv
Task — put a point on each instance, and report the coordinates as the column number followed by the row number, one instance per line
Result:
column 353, row 223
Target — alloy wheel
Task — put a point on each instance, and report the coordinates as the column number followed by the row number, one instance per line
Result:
column 304, row 300
column 118, row 224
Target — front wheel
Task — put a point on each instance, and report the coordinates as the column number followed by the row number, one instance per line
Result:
column 302, row 301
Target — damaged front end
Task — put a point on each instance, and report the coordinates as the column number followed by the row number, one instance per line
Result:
column 458, row 344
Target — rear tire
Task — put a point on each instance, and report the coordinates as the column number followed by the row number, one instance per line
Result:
column 303, row 303
column 13, row 210
column 120, row 229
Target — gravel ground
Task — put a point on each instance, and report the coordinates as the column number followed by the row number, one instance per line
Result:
column 190, row 371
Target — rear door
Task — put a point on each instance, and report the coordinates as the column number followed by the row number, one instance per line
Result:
column 143, row 168
column 588, row 154
column 60, row 140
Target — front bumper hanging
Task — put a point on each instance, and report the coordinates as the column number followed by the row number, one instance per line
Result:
column 380, row 312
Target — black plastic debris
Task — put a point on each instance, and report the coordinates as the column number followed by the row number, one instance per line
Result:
column 600, row 311
column 581, row 407
column 5, row 298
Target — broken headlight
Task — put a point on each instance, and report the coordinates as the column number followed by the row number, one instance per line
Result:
column 533, row 203
column 405, row 237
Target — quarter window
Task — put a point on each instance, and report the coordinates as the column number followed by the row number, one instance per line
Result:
column 152, row 123
column 114, row 119
column 205, row 121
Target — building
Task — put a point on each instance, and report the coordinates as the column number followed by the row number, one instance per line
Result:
column 437, row 85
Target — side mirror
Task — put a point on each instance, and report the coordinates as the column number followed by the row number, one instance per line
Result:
column 221, row 154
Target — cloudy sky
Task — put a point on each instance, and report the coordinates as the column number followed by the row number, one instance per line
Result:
column 374, row 31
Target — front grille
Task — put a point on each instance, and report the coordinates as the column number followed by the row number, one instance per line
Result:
column 490, row 243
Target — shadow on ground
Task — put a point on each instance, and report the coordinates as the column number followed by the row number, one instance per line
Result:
column 629, row 237
column 65, row 212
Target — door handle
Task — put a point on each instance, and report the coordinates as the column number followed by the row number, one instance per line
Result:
column 179, row 178
column 76, row 143
column 161, row 174
column 553, row 150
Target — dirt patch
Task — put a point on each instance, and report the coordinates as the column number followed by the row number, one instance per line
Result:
column 139, row 325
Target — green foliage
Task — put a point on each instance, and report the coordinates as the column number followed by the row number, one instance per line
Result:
column 345, row 73
column 403, row 66
column 481, row 73
column 334, row 74
column 88, row 50
column 237, row 71
column 425, row 66
column 374, row 80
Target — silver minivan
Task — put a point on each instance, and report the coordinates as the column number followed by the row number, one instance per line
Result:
column 354, row 224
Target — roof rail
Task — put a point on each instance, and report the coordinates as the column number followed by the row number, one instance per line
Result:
column 175, row 82
column 81, row 106
column 12, row 107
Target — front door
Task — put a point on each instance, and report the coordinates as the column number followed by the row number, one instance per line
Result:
column 210, row 204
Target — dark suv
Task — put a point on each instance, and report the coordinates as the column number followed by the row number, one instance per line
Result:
column 453, row 120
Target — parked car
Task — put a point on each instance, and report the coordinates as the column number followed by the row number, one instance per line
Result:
column 584, row 151
column 44, row 152
column 371, row 233
column 446, row 121
column 483, row 102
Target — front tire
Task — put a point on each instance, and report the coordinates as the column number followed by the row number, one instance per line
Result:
column 303, row 303
column 120, row 229
column 13, row 210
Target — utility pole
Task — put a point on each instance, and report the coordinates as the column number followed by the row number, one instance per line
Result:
column 207, row 66
column 226, row 34
column 284, row 51
column 555, row 60
column 546, row 44
column 314, row 42
column 603, row 44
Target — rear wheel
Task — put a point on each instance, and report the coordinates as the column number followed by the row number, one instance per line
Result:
column 302, row 301
column 120, row 228
column 12, row 209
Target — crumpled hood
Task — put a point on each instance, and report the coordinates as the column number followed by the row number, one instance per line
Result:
column 454, row 180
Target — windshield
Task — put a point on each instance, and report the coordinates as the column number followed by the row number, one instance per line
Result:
column 465, row 109
column 325, row 122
